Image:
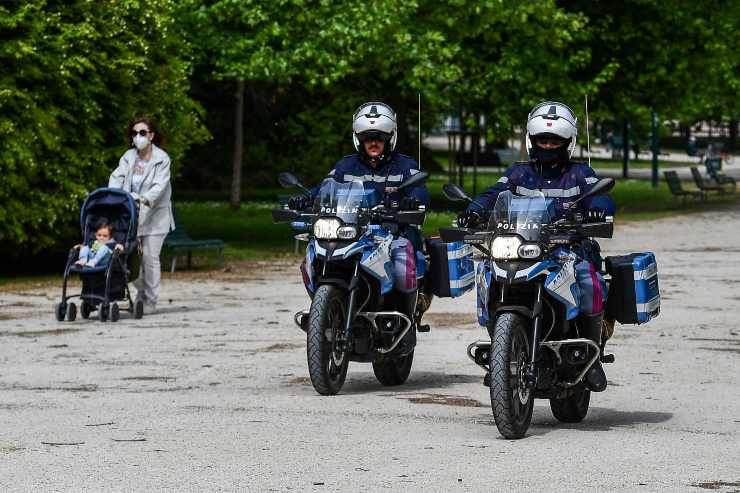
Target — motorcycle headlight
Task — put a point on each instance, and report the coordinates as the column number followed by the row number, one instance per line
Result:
column 326, row 228
column 529, row 250
column 505, row 247
column 347, row 233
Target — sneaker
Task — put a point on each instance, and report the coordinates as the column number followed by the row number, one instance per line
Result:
column 149, row 308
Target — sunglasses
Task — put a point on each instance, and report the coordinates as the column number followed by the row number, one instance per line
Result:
column 133, row 133
column 373, row 136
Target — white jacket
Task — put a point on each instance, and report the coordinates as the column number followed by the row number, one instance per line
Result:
column 155, row 212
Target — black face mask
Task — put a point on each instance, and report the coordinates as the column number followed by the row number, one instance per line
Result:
column 550, row 157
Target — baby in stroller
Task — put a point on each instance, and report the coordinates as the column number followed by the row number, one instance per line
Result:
column 106, row 259
column 100, row 252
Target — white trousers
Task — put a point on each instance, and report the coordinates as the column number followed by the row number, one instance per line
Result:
column 147, row 285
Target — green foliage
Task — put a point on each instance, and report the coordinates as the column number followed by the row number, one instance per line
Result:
column 75, row 72
column 673, row 56
column 73, row 75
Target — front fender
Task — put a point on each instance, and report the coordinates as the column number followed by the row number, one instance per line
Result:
column 376, row 261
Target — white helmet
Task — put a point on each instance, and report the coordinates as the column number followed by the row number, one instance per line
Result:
column 555, row 119
column 378, row 118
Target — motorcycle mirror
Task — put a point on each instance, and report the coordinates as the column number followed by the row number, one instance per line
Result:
column 455, row 193
column 289, row 180
column 416, row 179
column 602, row 186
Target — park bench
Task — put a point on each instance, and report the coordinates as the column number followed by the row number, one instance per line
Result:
column 713, row 166
column 178, row 242
column 676, row 188
column 703, row 184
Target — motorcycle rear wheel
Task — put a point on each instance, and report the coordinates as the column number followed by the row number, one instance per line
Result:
column 327, row 363
column 390, row 372
column 511, row 401
column 572, row 409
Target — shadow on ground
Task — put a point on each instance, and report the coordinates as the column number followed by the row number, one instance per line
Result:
column 598, row 419
column 427, row 381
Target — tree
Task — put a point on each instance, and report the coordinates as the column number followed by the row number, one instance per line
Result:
column 73, row 75
column 307, row 64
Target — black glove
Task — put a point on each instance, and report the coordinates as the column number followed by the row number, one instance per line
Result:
column 300, row 202
column 466, row 218
column 409, row 204
column 595, row 215
column 389, row 202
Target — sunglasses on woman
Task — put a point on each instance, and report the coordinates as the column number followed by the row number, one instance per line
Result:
column 133, row 133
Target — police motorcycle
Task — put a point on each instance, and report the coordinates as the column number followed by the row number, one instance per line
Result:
column 348, row 274
column 527, row 298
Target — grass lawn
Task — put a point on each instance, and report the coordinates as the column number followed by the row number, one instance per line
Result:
column 250, row 234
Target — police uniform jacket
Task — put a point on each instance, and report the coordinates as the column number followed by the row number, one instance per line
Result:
column 388, row 174
column 565, row 184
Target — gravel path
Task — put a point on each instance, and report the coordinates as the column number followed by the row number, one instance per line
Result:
column 212, row 393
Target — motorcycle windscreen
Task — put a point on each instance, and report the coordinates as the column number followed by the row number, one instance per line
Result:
column 345, row 200
column 522, row 215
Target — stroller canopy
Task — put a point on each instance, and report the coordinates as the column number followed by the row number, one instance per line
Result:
column 109, row 206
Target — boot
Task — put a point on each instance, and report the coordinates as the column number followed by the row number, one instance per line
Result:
column 407, row 305
column 591, row 328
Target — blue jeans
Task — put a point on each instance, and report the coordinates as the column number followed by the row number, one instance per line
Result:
column 100, row 258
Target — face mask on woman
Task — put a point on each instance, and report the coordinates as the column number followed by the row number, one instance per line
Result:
column 141, row 141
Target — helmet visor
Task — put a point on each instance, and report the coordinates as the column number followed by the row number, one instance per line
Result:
column 549, row 141
column 373, row 135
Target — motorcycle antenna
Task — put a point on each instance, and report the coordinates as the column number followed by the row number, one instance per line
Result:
column 588, row 139
column 418, row 162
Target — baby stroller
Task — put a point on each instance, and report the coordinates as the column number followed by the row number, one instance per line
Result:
column 103, row 285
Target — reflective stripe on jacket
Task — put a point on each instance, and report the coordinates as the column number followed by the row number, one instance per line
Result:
column 389, row 174
column 573, row 180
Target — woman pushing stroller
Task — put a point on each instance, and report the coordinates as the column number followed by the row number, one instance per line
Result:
column 144, row 172
column 133, row 214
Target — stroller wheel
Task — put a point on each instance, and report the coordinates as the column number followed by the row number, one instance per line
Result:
column 139, row 309
column 85, row 309
column 71, row 312
column 114, row 313
column 60, row 310
column 103, row 312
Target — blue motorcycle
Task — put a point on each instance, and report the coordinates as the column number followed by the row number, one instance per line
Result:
column 348, row 273
column 528, row 300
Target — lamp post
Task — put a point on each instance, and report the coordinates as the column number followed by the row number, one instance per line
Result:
column 655, row 148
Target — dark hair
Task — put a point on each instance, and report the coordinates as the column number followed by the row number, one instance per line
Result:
column 107, row 226
column 158, row 139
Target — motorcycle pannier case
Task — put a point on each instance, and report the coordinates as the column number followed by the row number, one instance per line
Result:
column 451, row 271
column 633, row 297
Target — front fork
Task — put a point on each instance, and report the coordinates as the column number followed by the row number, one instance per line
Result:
column 531, row 373
column 345, row 337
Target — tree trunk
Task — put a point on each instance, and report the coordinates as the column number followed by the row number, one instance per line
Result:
column 236, row 163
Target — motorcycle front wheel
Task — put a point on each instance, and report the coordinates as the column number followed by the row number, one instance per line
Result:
column 572, row 409
column 327, row 361
column 511, row 401
column 393, row 371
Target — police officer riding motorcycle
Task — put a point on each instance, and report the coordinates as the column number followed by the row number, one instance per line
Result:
column 379, row 166
column 550, row 141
